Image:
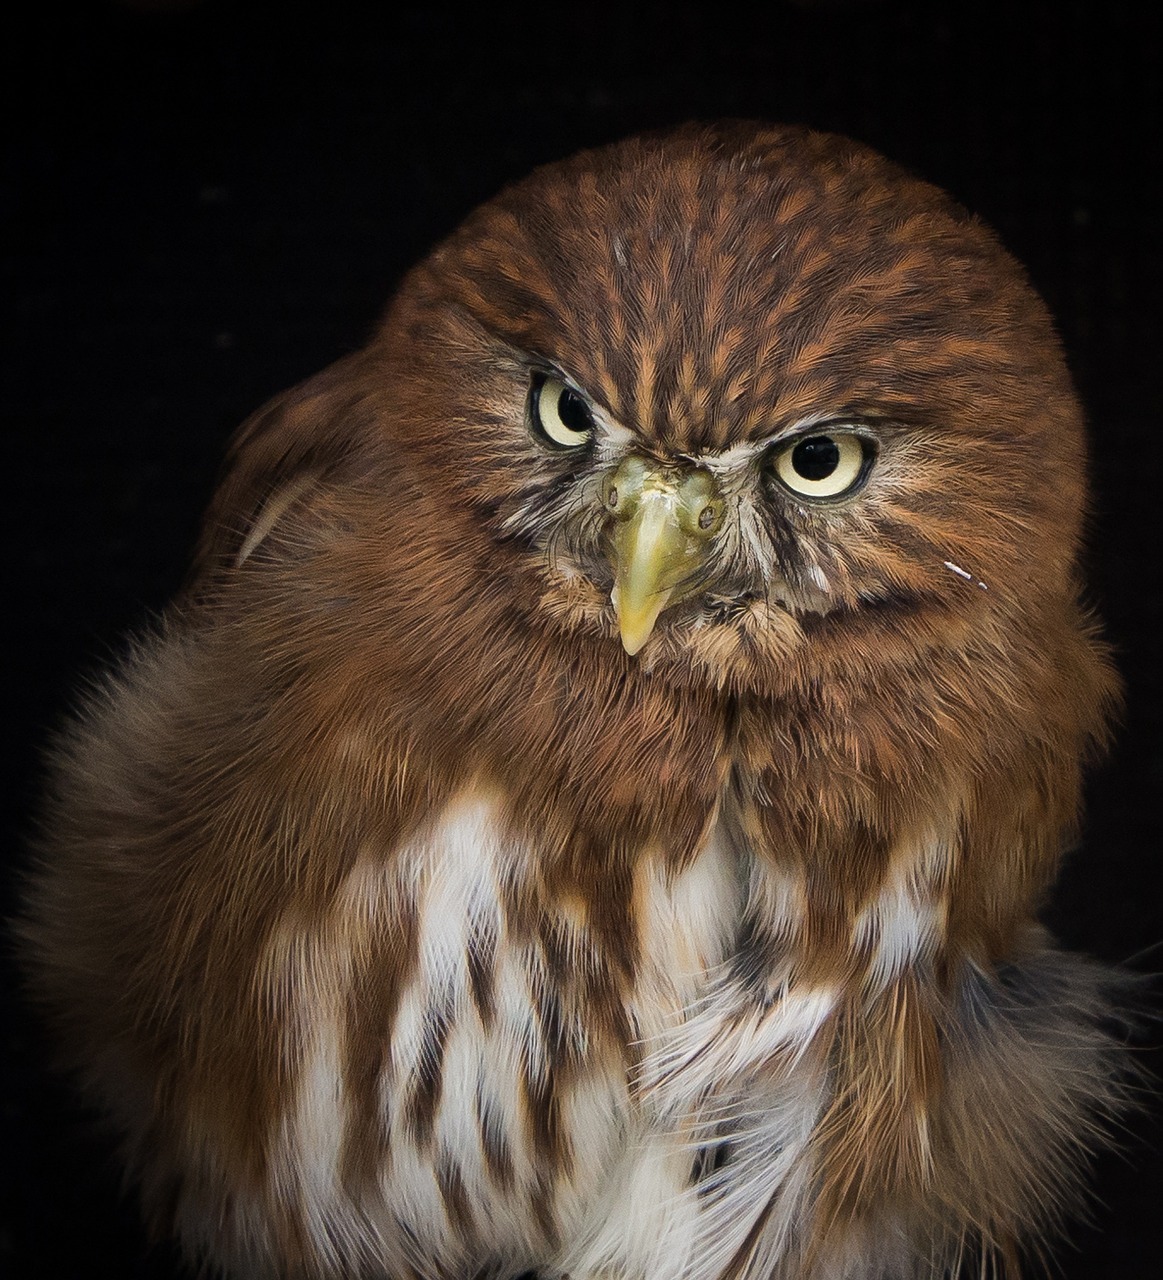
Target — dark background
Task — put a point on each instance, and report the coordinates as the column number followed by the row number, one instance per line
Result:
column 206, row 202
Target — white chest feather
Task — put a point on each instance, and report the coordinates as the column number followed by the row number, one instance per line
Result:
column 655, row 1163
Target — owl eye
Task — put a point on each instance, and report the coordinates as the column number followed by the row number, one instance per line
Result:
column 824, row 466
column 560, row 415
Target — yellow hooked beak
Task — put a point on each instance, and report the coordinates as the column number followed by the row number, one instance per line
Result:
column 664, row 520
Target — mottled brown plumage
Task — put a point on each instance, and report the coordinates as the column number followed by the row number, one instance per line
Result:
column 588, row 808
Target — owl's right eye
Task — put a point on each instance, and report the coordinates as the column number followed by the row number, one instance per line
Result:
column 560, row 415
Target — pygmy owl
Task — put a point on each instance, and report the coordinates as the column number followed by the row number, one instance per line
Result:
column 587, row 809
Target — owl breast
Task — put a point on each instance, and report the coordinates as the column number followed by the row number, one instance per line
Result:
column 503, row 1120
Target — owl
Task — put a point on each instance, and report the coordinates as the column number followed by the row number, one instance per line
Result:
column 586, row 811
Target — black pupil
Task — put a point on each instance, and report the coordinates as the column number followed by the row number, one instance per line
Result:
column 816, row 457
column 573, row 411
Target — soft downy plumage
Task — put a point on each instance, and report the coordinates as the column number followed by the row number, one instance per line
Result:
column 588, row 808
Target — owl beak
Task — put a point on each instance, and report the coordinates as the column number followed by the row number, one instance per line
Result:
column 664, row 522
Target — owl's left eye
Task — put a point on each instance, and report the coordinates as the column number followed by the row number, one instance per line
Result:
column 824, row 466
column 561, row 417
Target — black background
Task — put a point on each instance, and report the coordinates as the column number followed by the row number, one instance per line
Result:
column 204, row 203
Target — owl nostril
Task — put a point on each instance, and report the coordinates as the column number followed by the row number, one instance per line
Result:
column 620, row 496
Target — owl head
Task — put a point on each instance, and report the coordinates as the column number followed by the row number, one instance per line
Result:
column 720, row 403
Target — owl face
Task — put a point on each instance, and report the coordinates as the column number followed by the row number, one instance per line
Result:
column 742, row 391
